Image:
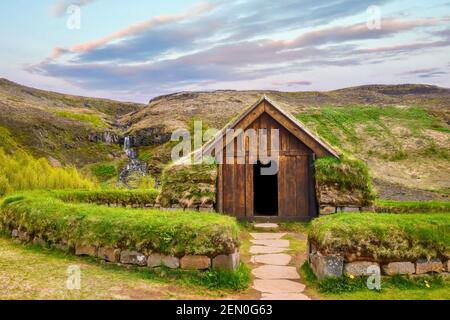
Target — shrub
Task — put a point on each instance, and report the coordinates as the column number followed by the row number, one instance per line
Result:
column 20, row 171
column 43, row 214
column 104, row 171
column 384, row 237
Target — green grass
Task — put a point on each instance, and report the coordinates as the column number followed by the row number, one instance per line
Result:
column 168, row 232
column 32, row 272
column 428, row 287
column 411, row 206
column 338, row 126
column 90, row 118
column 104, row 171
column 108, row 197
column 383, row 237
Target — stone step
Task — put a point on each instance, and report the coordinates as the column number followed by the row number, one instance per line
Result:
column 278, row 286
column 266, row 226
column 284, row 296
column 265, row 250
column 280, row 259
column 267, row 235
column 272, row 243
column 275, row 272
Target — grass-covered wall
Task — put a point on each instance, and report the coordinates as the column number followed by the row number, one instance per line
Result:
column 343, row 182
column 188, row 186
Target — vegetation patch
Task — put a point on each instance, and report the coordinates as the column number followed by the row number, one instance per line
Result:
column 355, row 286
column 104, row 171
column 383, row 237
column 91, row 118
column 338, row 125
column 411, row 206
column 189, row 185
column 42, row 214
column 20, row 171
column 343, row 181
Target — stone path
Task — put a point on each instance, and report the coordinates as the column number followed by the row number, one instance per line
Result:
column 275, row 278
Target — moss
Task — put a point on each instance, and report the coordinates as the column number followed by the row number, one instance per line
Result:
column 177, row 233
column 385, row 237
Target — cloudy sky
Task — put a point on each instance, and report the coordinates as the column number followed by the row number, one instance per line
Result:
column 134, row 50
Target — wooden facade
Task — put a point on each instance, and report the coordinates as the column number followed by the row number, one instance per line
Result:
column 290, row 194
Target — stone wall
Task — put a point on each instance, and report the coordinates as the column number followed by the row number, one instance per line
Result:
column 330, row 265
column 139, row 259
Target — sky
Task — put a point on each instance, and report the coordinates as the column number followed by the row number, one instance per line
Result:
column 135, row 50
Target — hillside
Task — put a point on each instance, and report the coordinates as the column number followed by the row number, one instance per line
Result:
column 401, row 131
column 69, row 129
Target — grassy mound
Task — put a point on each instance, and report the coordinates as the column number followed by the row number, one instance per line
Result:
column 45, row 215
column 188, row 185
column 383, row 237
column 343, row 182
column 411, row 206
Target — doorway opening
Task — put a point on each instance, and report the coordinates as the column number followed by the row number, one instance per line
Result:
column 265, row 191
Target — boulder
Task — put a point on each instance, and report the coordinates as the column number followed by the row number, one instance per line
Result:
column 109, row 254
column 15, row 233
column 37, row 241
column 226, row 261
column 327, row 266
column 24, row 236
column 393, row 268
column 133, row 257
column 156, row 260
column 360, row 268
column 195, row 262
column 425, row 266
column 447, row 266
column 61, row 246
column 86, row 250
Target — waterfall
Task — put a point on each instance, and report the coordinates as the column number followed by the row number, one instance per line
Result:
column 134, row 164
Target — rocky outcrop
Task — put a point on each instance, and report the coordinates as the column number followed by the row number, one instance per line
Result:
column 108, row 137
column 150, row 136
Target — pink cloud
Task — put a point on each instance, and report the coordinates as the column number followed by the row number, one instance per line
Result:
column 138, row 28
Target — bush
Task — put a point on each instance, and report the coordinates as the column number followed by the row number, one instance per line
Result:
column 389, row 206
column 20, row 171
column 383, row 237
column 177, row 233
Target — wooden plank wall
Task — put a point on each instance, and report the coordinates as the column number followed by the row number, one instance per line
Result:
column 295, row 198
